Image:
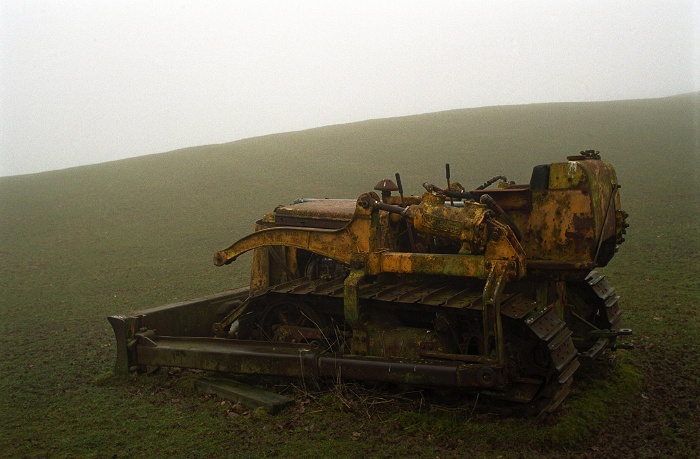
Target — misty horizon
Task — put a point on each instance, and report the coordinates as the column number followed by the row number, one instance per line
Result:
column 87, row 84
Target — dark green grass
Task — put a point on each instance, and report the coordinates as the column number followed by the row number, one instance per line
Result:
column 80, row 244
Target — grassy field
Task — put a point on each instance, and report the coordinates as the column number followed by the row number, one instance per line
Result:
column 80, row 244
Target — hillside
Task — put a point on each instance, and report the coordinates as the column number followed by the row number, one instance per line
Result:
column 79, row 244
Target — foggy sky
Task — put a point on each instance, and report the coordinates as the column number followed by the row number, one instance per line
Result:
column 91, row 81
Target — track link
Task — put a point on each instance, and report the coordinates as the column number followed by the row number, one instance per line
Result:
column 563, row 359
column 609, row 299
column 598, row 319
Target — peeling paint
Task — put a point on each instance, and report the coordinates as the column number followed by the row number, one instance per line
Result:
column 573, row 169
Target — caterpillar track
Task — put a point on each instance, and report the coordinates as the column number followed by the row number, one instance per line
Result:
column 595, row 311
column 541, row 354
column 489, row 291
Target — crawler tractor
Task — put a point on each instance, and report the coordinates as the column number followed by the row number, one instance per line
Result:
column 489, row 290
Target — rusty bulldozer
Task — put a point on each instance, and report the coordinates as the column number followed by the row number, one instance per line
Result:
column 485, row 290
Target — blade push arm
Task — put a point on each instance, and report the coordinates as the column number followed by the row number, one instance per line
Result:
column 338, row 244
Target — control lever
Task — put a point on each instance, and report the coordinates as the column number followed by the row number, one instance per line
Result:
column 408, row 223
column 447, row 175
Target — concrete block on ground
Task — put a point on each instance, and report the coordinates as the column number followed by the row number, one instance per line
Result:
column 249, row 396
